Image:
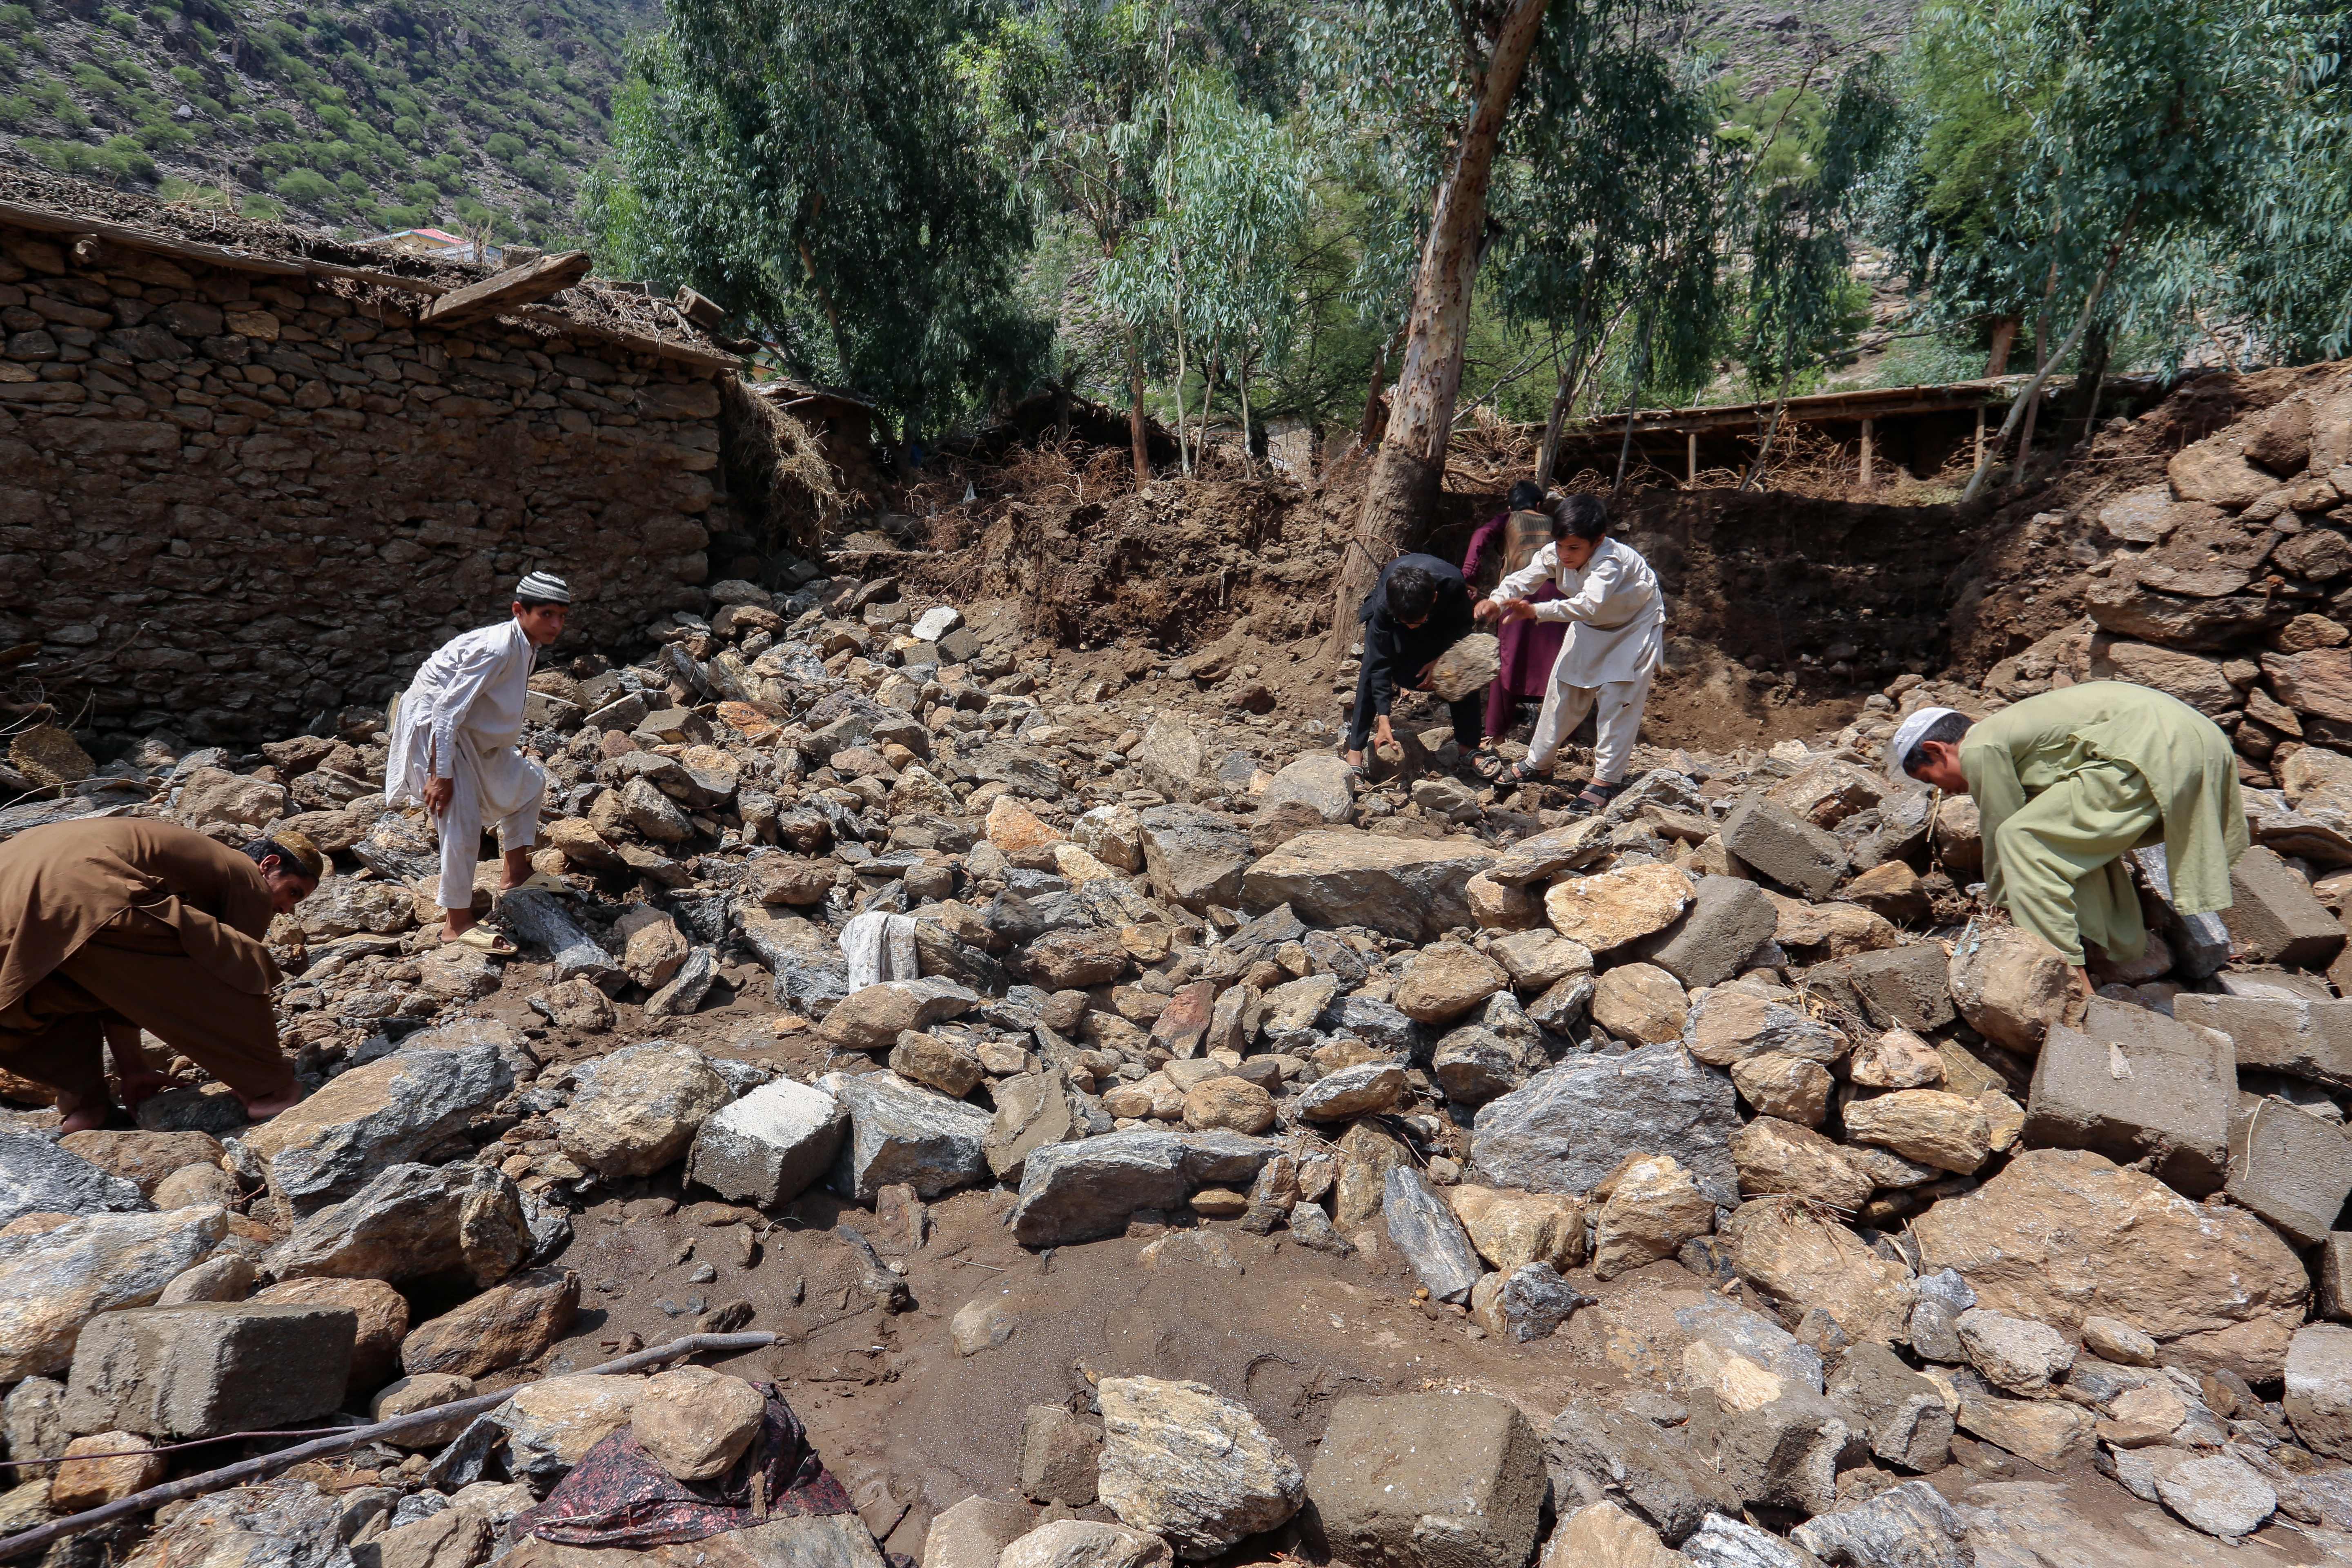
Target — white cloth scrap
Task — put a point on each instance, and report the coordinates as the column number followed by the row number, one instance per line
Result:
column 879, row 946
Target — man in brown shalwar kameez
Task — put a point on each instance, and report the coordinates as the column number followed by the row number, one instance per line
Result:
column 116, row 921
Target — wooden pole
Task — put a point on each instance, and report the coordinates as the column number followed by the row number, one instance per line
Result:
column 1980, row 435
column 1690, row 462
column 1866, row 432
column 27, row 1542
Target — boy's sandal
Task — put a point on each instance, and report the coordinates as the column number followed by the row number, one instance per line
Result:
column 1520, row 774
column 1486, row 763
column 1595, row 798
column 482, row 940
column 538, row 882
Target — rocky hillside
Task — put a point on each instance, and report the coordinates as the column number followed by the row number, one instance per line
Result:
column 354, row 116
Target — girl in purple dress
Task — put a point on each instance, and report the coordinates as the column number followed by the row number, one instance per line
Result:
column 1529, row 647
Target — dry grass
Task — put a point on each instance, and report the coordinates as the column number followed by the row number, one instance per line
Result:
column 775, row 461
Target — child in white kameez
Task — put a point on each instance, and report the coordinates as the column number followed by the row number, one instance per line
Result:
column 456, row 749
column 1616, row 619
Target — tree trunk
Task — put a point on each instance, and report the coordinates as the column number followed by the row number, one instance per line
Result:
column 1134, row 431
column 1241, row 381
column 2090, row 376
column 1375, row 423
column 2004, row 334
column 2017, row 410
column 1411, row 464
column 1632, row 404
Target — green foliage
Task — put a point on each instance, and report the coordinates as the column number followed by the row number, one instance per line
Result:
column 304, row 188
column 17, row 19
column 117, row 158
column 505, row 147
column 812, row 161
column 122, row 22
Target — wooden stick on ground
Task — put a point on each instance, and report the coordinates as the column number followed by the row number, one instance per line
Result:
column 39, row 1536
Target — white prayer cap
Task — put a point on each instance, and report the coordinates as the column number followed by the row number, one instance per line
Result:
column 544, row 588
column 1907, row 735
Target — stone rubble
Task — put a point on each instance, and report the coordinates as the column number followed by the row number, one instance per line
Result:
column 1750, row 1028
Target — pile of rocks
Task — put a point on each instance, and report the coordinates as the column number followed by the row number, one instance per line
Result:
column 1749, row 1022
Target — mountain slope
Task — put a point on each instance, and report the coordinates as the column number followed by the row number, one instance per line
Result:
column 360, row 116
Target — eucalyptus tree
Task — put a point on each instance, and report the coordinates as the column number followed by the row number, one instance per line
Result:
column 814, row 167
column 2056, row 146
column 1211, row 268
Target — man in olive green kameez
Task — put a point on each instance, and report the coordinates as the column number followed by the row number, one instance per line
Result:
column 2070, row 782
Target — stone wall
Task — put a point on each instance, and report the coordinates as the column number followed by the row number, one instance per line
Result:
column 233, row 501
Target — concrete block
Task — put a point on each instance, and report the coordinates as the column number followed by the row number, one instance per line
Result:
column 770, row 1147
column 1909, row 988
column 2276, row 918
column 2318, row 1394
column 2335, row 1276
column 1791, row 851
column 2201, row 943
column 2131, row 1084
column 2290, row 1167
column 1727, row 921
column 2304, row 1038
column 1429, row 1481
column 209, row 1367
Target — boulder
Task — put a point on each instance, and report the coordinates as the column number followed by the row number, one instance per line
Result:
column 1640, row 1003
column 1727, row 921
column 1445, row 981
column 37, row 1176
column 551, row 1424
column 1610, row 910
column 1595, row 1450
column 901, row 1133
column 2014, row 1354
column 1903, row 1413
column 505, row 1326
column 695, row 1422
column 54, row 1281
column 1086, row 1189
column 642, row 1110
column 1928, row 1125
column 1652, row 1206
column 1186, row 1464
column 412, row 1222
column 1363, row 1090
column 1195, row 857
column 1413, row 888
column 2136, row 1085
column 1731, row 1024
column 1429, row 1481
column 1788, row 1086
column 1776, row 1157
column 1033, row 1111
column 104, row 1467
column 1319, row 781
column 873, row 1018
column 1910, row 1524
column 1426, row 1230
column 381, row 1314
column 1603, row 1535
column 1800, row 1260
column 2291, row 1168
column 377, row 1116
column 1513, row 1229
column 1784, row 847
column 1574, row 1123
column 2009, row 983
column 975, row 1532
column 2062, row 1234
column 2048, row 1433
column 2319, row 1397
column 1061, row 1456
column 1078, row 1544
column 652, row 947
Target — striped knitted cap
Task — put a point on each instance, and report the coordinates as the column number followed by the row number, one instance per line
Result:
column 545, row 588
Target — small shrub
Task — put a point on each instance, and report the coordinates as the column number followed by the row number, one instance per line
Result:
column 304, row 188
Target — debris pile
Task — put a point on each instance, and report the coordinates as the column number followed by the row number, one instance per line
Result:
column 1747, row 1037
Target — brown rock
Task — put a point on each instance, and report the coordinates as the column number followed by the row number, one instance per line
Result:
column 382, row 1311
column 1603, row 1535
column 1605, row 911
column 1077, row 958
column 1641, row 1002
column 1443, row 981
column 1891, row 891
column 2316, row 684
column 407, row 1395
column 1790, row 1088
column 2196, row 681
column 84, row 1483
column 2049, row 1433
column 2063, row 1232
column 1896, row 1059
column 790, row 879
column 1512, row 1229
column 502, row 1327
column 453, row 1538
column 695, row 1423
column 2010, row 985
column 1832, row 929
column 2215, row 470
column 1653, row 1207
column 48, row 755
column 584, row 848
column 1233, row 1103
column 1776, row 1156
column 653, row 948
column 928, row 1059
column 145, row 1158
column 1928, row 1125
column 1499, row 906
column 1801, row 1260
column 1016, row 831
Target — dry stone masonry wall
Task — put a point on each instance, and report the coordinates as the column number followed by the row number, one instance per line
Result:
column 231, row 501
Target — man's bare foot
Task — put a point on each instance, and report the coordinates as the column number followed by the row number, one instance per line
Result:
column 140, row 1086
column 263, row 1107
column 83, row 1115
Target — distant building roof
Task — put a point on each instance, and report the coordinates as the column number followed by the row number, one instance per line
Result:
column 430, row 242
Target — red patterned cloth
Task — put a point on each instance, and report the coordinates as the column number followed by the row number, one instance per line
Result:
column 617, row 1495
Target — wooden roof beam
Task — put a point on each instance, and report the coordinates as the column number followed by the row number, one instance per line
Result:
column 503, row 291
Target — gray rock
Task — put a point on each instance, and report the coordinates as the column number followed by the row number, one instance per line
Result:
column 1311, row 1227
column 1424, row 1228
column 1363, row 1090
column 1473, row 1064
column 2218, row 1494
column 1728, row 919
column 1415, row 889
column 32, row 1419
column 1903, row 1411
column 377, row 1116
column 38, row 1177
column 2289, row 1166
column 1033, row 1111
column 1086, row 1189
column 1574, row 1123
column 1596, row 1452
column 686, row 990
column 414, row 1222
column 1186, row 1464
column 1287, row 1013
column 1725, row 1543
column 1319, row 781
column 770, row 1147
column 1194, row 856
column 1908, row 1526
column 1792, row 852
column 807, row 965
column 642, row 1110
column 2131, row 1084
column 1533, row 1300
column 270, row 1524
column 207, row 1368
column 1785, row 1453
column 540, row 918
column 53, row 1283
column 1737, row 1332
column 1060, row 1455
column 1429, row 1481
column 901, row 1133
column 1380, row 1024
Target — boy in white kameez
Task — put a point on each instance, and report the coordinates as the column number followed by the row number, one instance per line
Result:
column 1616, row 619
column 456, row 749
